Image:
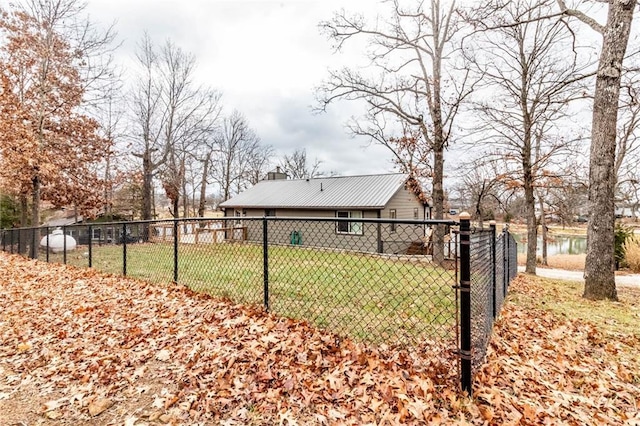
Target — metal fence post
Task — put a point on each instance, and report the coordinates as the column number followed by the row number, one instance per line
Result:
column 175, row 251
column 508, row 257
column 124, row 249
column 12, row 241
column 265, row 261
column 47, row 255
column 492, row 226
column 64, row 244
column 505, row 264
column 90, row 231
column 19, row 241
column 465, row 302
column 34, row 248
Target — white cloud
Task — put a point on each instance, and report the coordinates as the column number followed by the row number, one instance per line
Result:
column 266, row 57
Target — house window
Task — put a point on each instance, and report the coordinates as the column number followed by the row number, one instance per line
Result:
column 349, row 227
column 269, row 212
column 392, row 216
column 415, row 214
column 96, row 233
column 238, row 214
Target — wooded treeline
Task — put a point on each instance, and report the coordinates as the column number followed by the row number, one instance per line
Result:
column 520, row 93
column 79, row 132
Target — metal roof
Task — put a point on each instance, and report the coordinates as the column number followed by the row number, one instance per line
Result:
column 63, row 221
column 363, row 192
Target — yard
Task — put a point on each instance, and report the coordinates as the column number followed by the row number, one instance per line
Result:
column 369, row 297
column 79, row 347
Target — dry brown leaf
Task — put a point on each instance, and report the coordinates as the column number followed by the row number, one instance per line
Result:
column 208, row 361
column 99, row 405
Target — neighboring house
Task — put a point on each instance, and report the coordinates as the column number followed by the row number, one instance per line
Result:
column 387, row 196
column 100, row 233
column 626, row 211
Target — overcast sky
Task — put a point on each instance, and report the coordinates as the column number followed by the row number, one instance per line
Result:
column 266, row 57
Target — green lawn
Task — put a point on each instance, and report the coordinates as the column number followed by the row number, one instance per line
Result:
column 368, row 297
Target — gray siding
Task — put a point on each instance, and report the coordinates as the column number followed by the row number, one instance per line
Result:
column 403, row 202
column 325, row 234
column 313, row 234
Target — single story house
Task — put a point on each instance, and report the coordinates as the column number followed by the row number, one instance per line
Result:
column 77, row 226
column 385, row 196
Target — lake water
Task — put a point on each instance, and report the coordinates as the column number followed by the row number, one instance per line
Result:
column 556, row 244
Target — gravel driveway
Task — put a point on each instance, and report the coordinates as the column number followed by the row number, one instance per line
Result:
column 631, row 280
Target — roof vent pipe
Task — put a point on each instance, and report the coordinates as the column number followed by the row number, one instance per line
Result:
column 320, row 186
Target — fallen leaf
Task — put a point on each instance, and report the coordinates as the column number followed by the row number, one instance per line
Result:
column 163, row 355
column 99, row 405
column 53, row 415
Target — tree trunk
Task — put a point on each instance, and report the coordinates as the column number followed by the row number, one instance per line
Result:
column 35, row 202
column 176, row 206
column 203, row 187
column 24, row 222
column 108, row 189
column 543, row 229
column 24, row 210
column 532, row 228
column 147, row 193
column 479, row 215
column 147, row 185
column 438, row 204
column 185, row 197
column 599, row 267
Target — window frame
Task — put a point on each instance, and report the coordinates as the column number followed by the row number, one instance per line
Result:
column 237, row 214
column 393, row 215
column 352, row 228
column 96, row 235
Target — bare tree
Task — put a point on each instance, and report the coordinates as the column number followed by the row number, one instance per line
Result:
column 296, row 166
column 146, row 110
column 481, row 185
column 235, row 146
column 568, row 200
column 174, row 116
column 628, row 144
column 259, row 164
column 410, row 84
column 531, row 79
column 110, row 113
column 600, row 265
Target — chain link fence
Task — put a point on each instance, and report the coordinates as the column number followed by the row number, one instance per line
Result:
column 487, row 265
column 482, row 293
column 371, row 279
column 374, row 280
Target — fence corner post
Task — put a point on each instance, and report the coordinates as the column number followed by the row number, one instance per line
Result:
column 90, row 232
column 265, row 258
column 494, row 278
column 465, row 302
column 124, row 249
column 176, row 239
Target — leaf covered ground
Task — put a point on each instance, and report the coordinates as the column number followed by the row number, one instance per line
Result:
column 78, row 347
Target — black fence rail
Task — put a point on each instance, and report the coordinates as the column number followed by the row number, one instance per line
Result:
column 372, row 279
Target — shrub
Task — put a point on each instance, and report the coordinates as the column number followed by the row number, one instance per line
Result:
column 622, row 235
column 632, row 254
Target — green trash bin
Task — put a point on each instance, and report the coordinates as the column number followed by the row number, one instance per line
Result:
column 295, row 238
